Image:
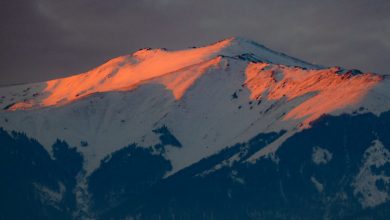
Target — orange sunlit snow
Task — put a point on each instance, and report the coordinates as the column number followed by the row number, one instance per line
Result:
column 127, row 72
column 330, row 90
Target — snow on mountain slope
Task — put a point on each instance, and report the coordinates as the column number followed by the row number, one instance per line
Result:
column 209, row 98
column 126, row 72
column 334, row 91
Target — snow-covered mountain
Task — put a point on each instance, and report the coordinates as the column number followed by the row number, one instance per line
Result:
column 230, row 111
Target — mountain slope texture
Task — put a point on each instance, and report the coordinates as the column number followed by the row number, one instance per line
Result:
column 231, row 130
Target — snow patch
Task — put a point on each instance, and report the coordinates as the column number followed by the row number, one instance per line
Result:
column 319, row 186
column 365, row 182
column 321, row 155
column 50, row 196
column 235, row 177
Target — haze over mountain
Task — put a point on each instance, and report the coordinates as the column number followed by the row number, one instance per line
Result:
column 155, row 133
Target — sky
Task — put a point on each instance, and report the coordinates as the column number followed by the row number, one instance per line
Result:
column 48, row 39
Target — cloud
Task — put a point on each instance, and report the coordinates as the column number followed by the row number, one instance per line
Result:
column 43, row 39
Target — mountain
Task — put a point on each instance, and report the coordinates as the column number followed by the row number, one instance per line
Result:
column 231, row 130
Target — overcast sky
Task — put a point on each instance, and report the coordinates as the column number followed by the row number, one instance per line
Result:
column 46, row 39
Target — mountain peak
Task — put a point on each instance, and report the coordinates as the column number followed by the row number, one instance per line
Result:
column 241, row 41
column 176, row 70
column 236, row 47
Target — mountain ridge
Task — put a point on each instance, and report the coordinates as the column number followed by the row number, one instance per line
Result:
column 129, row 71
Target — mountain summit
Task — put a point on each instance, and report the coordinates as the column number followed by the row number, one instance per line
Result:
column 144, row 66
column 231, row 114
